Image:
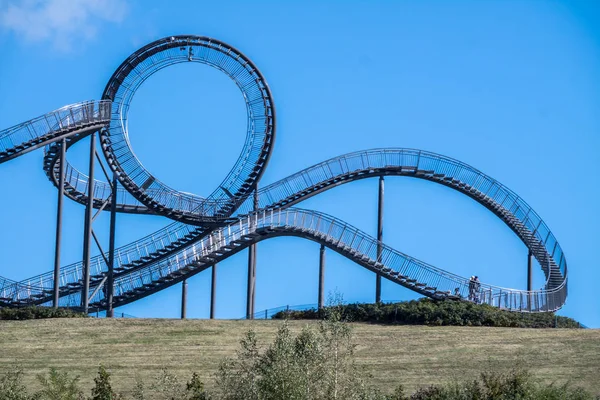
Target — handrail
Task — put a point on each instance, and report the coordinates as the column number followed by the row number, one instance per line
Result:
column 276, row 193
column 338, row 236
column 53, row 126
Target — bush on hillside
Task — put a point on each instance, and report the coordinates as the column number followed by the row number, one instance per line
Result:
column 23, row 313
column 431, row 312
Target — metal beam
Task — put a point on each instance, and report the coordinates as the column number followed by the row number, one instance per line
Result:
column 379, row 238
column 213, row 291
column 252, row 269
column 87, row 234
column 110, row 292
column 321, row 276
column 100, row 286
column 102, row 253
column 251, row 282
column 530, row 271
column 59, row 208
column 184, row 299
column 256, row 207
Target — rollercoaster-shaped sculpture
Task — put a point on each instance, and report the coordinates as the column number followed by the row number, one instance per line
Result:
column 237, row 215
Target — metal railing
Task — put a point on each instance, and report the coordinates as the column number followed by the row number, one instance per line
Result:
column 340, row 237
column 391, row 161
column 51, row 126
column 512, row 208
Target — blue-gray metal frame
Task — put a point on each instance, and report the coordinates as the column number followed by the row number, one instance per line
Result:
column 208, row 230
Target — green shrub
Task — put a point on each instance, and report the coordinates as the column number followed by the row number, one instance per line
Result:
column 58, row 386
column 430, row 312
column 34, row 312
column 11, row 386
column 517, row 384
column 102, row 389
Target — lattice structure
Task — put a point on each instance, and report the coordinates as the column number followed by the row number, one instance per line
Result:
column 208, row 230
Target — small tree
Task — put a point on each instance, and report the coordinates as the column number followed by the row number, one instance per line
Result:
column 58, row 386
column 314, row 365
column 238, row 377
column 195, row 389
column 102, row 389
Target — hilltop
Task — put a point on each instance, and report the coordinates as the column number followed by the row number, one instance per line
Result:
column 412, row 355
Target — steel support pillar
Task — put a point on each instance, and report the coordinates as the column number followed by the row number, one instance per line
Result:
column 110, row 282
column 87, row 235
column 251, row 283
column 379, row 238
column 61, row 192
column 322, row 277
column 184, row 287
column 213, row 291
column 252, row 269
column 530, row 271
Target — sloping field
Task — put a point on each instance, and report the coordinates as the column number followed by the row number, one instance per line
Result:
column 411, row 355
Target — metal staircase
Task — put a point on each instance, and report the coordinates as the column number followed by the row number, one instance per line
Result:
column 333, row 233
column 70, row 122
column 138, row 256
column 211, row 229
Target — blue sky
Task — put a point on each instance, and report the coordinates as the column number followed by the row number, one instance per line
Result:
column 511, row 88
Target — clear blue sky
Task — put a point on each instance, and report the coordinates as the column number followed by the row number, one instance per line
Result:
column 510, row 87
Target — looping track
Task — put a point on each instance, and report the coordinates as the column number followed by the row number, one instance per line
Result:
column 207, row 230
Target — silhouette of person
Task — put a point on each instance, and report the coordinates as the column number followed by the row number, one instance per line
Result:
column 476, row 287
column 472, row 288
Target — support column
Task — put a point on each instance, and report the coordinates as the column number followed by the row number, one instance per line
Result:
column 252, row 269
column 213, row 291
column 250, row 293
column 184, row 299
column 110, row 282
column 321, row 276
column 529, row 280
column 530, row 271
column 61, row 192
column 87, row 235
column 379, row 238
column 254, row 258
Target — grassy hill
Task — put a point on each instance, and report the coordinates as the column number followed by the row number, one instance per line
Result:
column 412, row 355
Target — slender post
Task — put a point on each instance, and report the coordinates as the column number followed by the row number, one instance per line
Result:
column 252, row 269
column 530, row 271
column 250, row 292
column 61, row 192
column 321, row 276
column 87, row 238
column 529, row 279
column 184, row 299
column 110, row 282
column 379, row 238
column 213, row 291
column 254, row 259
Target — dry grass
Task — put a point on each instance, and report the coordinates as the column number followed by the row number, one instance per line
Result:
column 411, row 355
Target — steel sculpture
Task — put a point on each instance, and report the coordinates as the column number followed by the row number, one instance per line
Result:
column 237, row 215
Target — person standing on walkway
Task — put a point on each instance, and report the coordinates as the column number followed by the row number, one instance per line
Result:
column 476, row 288
column 472, row 288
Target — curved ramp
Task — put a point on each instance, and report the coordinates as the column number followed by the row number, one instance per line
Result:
column 141, row 255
